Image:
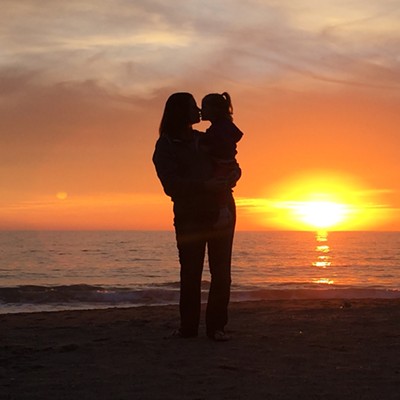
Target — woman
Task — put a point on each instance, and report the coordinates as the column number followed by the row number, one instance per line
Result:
column 186, row 174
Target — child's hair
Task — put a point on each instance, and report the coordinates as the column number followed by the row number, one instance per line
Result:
column 220, row 103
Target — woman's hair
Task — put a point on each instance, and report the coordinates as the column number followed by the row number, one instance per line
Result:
column 177, row 115
column 221, row 104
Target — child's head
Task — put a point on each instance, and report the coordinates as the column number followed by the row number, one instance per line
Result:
column 215, row 106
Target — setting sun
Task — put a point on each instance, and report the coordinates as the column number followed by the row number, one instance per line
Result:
column 320, row 214
column 315, row 214
column 326, row 200
column 319, row 201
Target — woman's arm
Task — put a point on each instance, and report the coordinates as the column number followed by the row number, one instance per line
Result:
column 170, row 172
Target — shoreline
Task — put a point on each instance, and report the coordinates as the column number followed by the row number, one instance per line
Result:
column 281, row 349
column 33, row 299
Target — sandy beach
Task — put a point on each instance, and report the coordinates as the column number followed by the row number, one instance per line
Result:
column 319, row 349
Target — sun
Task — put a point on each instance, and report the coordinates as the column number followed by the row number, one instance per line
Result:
column 320, row 214
column 319, row 202
column 315, row 214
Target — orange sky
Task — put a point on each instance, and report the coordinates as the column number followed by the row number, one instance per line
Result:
column 315, row 88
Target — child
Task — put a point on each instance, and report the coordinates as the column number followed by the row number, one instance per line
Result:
column 220, row 139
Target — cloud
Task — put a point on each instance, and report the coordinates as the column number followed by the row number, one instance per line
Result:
column 83, row 84
column 101, row 211
column 82, row 136
column 143, row 46
column 29, row 103
column 87, row 41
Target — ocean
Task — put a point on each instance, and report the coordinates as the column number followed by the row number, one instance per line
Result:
column 52, row 271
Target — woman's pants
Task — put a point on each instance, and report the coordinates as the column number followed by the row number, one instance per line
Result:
column 192, row 242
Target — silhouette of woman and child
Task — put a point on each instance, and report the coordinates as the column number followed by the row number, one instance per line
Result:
column 198, row 171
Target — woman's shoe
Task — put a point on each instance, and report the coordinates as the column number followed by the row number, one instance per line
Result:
column 220, row 336
column 177, row 333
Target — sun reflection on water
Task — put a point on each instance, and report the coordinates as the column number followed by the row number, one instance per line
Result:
column 324, row 281
column 323, row 259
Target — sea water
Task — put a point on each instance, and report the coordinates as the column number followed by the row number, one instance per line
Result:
column 48, row 271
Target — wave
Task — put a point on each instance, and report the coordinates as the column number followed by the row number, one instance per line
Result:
column 309, row 294
column 32, row 294
column 39, row 298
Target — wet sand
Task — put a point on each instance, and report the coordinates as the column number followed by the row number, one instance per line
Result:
column 290, row 349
